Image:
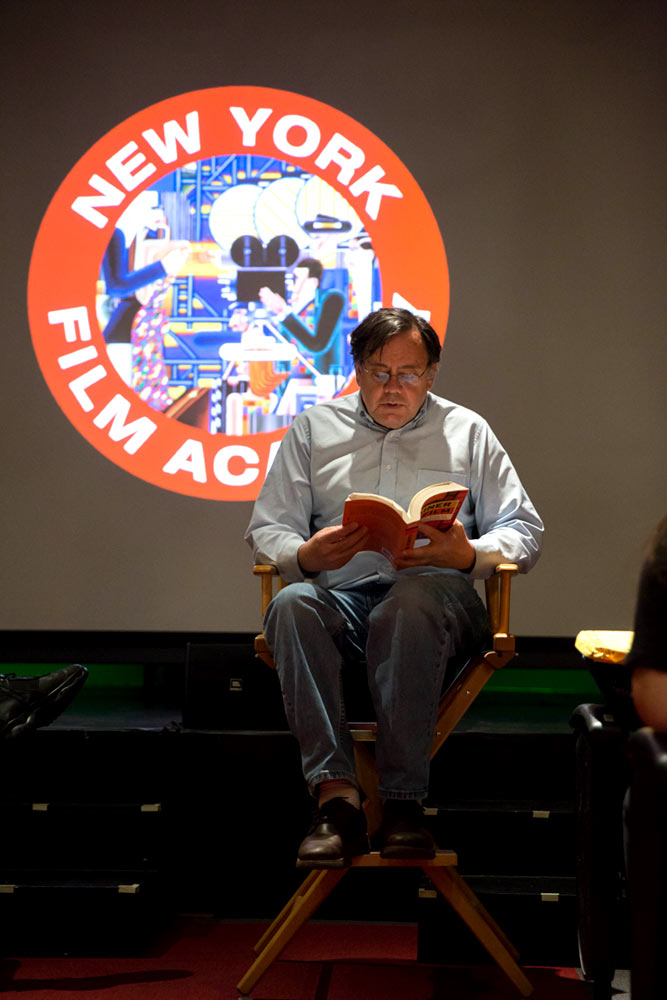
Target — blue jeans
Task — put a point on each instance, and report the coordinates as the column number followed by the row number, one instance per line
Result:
column 405, row 632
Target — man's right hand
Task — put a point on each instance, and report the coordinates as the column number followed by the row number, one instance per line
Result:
column 331, row 548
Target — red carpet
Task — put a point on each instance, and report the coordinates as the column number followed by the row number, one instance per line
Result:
column 204, row 958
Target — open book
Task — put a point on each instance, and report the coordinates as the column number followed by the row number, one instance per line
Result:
column 392, row 529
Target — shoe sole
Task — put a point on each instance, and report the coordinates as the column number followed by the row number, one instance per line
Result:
column 406, row 854
column 323, row 865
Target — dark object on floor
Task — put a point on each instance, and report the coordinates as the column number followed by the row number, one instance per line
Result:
column 224, row 690
column 618, row 906
column 30, row 702
column 647, row 863
column 603, row 777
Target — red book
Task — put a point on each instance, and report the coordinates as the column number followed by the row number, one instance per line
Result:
column 391, row 528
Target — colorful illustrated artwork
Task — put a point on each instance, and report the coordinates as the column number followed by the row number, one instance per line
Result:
column 198, row 274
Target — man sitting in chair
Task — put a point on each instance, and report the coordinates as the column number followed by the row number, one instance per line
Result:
column 392, row 437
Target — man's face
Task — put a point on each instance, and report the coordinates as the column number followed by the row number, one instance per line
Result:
column 395, row 404
column 301, row 275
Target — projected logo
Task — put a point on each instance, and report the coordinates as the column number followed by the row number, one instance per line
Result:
column 198, row 273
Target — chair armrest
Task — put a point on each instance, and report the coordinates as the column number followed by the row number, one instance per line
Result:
column 498, row 592
column 597, row 722
column 267, row 573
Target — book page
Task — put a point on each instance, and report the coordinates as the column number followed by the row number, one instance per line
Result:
column 437, row 491
column 378, row 499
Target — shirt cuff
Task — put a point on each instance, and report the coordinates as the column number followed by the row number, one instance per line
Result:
column 486, row 561
column 288, row 564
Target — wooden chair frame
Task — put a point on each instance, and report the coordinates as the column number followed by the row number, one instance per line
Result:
column 441, row 870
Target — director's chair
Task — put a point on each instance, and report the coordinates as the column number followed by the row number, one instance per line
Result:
column 441, row 869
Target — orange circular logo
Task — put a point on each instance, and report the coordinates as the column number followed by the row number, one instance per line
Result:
column 197, row 275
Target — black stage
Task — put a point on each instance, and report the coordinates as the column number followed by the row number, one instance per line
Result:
column 172, row 785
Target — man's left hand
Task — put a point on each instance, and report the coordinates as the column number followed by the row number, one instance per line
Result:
column 446, row 550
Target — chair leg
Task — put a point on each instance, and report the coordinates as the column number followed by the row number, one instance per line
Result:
column 474, row 901
column 312, row 893
column 463, row 900
column 286, row 910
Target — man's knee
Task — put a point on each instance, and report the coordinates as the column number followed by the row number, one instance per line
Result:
column 301, row 608
column 287, row 603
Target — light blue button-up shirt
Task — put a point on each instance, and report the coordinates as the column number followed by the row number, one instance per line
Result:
column 336, row 448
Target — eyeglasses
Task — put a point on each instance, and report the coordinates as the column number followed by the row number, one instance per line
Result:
column 381, row 377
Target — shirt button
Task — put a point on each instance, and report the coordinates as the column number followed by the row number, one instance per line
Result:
column 387, row 466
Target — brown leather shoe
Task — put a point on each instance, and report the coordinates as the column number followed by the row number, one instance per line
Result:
column 404, row 831
column 337, row 834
